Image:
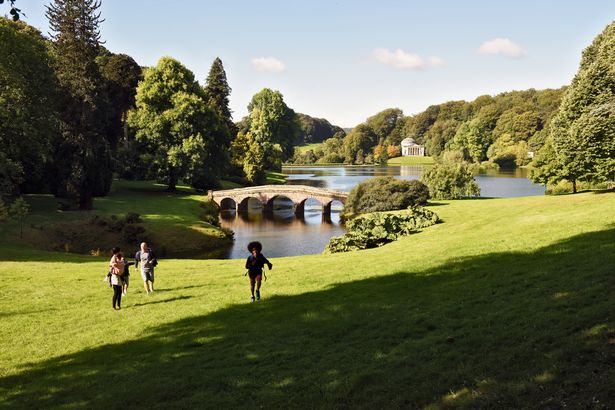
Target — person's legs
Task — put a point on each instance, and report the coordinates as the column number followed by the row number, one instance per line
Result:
column 258, row 287
column 145, row 287
column 252, row 281
column 117, row 296
column 125, row 286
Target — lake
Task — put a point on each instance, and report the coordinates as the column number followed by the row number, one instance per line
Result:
column 283, row 234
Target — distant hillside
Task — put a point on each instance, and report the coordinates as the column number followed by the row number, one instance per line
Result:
column 314, row 130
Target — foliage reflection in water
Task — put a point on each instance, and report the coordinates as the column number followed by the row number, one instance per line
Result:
column 281, row 232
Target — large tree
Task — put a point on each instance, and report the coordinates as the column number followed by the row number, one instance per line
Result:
column 82, row 160
column 121, row 74
column 218, row 91
column 176, row 125
column 273, row 123
column 583, row 131
column 27, row 108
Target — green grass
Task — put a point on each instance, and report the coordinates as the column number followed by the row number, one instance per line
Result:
column 304, row 148
column 171, row 220
column 507, row 304
column 411, row 161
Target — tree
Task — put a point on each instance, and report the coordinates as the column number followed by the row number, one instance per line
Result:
column 272, row 125
column 583, row 130
column 19, row 210
column 361, row 138
column 82, row 159
column 450, row 178
column 385, row 194
column 13, row 11
column 218, row 91
column 27, row 108
column 121, row 74
column 174, row 122
column 4, row 211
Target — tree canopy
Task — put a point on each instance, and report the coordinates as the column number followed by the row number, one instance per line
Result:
column 581, row 145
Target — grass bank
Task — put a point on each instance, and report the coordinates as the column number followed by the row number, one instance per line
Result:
column 172, row 221
column 507, row 304
column 411, row 161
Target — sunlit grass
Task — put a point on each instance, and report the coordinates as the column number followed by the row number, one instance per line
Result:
column 411, row 161
column 507, row 304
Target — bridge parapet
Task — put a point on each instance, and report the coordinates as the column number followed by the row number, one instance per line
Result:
column 298, row 194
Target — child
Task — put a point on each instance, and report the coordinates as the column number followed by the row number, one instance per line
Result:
column 117, row 265
column 255, row 263
column 126, row 277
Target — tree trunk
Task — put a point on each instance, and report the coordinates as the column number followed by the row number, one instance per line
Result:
column 172, row 180
column 574, row 186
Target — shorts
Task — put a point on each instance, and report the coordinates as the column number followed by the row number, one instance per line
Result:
column 148, row 275
column 126, row 279
column 256, row 276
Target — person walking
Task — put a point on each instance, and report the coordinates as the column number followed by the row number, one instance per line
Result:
column 254, row 264
column 146, row 261
column 117, row 264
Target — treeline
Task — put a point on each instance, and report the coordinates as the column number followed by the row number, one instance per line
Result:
column 501, row 129
column 73, row 115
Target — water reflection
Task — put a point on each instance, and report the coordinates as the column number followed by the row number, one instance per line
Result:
column 493, row 183
column 281, row 232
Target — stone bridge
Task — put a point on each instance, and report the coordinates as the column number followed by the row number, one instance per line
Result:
column 238, row 198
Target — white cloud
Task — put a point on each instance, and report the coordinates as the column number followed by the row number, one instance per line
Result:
column 398, row 59
column 269, row 64
column 502, row 46
column 436, row 61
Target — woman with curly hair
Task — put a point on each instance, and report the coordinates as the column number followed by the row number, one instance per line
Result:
column 254, row 264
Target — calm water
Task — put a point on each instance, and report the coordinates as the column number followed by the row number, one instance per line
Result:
column 283, row 234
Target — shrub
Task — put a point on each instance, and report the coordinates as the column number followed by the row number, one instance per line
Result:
column 450, row 180
column 210, row 212
column 132, row 218
column 133, row 234
column 385, row 194
column 378, row 229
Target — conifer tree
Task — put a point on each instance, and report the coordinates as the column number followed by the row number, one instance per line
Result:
column 82, row 157
column 218, row 91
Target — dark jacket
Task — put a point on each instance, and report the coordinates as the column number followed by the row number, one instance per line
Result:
column 254, row 265
column 151, row 258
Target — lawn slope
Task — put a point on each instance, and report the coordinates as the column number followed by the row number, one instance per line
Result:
column 508, row 303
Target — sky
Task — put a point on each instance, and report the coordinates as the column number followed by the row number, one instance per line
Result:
column 347, row 60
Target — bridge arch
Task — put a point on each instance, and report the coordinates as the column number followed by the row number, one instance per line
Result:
column 266, row 195
column 228, row 204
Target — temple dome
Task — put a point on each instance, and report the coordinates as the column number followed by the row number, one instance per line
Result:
column 408, row 142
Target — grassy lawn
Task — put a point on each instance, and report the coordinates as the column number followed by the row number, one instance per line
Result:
column 307, row 147
column 411, row 161
column 507, row 304
column 172, row 220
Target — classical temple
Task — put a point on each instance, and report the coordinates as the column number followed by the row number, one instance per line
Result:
column 409, row 147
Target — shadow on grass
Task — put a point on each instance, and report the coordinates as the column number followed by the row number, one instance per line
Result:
column 503, row 330
column 154, row 302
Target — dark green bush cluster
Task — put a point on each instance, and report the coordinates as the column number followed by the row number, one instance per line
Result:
column 385, row 194
column 209, row 212
column 378, row 229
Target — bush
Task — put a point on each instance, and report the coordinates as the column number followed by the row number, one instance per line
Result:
column 385, row 194
column 450, row 180
column 132, row 218
column 133, row 234
column 378, row 229
column 210, row 212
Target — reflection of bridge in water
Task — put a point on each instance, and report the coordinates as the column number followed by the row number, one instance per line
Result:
column 239, row 198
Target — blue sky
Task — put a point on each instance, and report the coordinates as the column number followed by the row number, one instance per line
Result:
column 347, row 60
